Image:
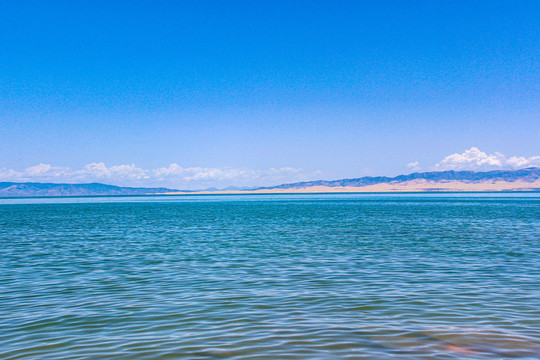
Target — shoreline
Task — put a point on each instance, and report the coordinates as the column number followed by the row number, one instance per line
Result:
column 410, row 187
column 246, row 193
column 416, row 186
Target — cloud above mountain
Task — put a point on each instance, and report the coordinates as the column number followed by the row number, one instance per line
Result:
column 174, row 175
column 475, row 159
column 191, row 178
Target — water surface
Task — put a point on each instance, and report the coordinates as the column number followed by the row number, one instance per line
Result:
column 266, row 277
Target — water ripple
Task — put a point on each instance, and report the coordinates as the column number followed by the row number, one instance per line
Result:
column 333, row 277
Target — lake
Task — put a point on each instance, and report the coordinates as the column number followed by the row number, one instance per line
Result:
column 350, row 276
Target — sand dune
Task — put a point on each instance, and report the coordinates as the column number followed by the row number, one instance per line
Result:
column 420, row 185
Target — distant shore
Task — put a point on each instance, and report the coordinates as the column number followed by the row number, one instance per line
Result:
column 527, row 179
column 420, row 185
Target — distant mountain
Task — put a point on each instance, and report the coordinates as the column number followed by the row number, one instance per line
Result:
column 499, row 180
column 528, row 175
column 49, row 189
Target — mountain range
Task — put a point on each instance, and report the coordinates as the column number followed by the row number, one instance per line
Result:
column 528, row 175
column 8, row 189
column 498, row 180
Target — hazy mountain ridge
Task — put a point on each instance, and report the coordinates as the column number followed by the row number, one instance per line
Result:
column 522, row 176
column 527, row 175
column 92, row 189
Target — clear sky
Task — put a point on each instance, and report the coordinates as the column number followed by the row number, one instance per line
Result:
column 190, row 94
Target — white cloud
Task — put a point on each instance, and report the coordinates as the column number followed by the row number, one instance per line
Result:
column 38, row 169
column 173, row 176
column 414, row 165
column 521, row 162
column 475, row 159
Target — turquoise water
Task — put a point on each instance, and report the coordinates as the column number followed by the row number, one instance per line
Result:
column 271, row 277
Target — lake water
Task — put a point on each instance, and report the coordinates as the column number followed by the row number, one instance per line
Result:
column 271, row 277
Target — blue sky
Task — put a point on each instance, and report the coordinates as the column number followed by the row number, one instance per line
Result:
column 218, row 93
